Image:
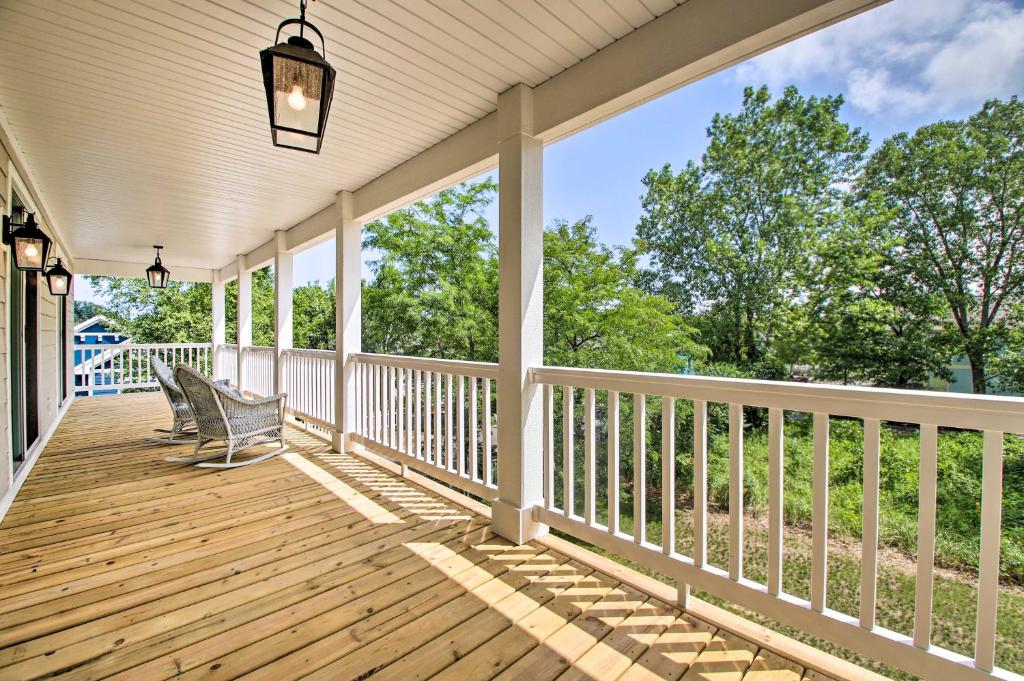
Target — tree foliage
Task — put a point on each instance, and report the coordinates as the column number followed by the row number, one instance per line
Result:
column 85, row 310
column 729, row 237
column 434, row 290
column 867, row 322
column 957, row 193
column 594, row 315
column 180, row 313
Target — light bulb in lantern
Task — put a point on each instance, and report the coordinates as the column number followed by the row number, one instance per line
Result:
column 296, row 99
column 31, row 251
column 58, row 283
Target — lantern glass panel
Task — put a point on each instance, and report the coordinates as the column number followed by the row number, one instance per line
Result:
column 29, row 253
column 58, row 284
column 297, row 95
column 157, row 277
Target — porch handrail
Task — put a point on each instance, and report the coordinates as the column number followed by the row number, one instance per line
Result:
column 445, row 366
column 971, row 412
column 913, row 651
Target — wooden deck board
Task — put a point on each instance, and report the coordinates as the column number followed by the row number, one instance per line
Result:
column 117, row 564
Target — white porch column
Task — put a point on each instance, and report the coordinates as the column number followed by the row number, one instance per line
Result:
column 520, row 317
column 218, row 332
column 283, row 335
column 244, row 317
column 348, row 325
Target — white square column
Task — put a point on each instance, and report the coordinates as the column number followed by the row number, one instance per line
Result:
column 283, row 334
column 520, row 318
column 218, row 331
column 244, row 317
column 348, row 324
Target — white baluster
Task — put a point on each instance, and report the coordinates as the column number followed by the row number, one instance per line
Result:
column 700, row 482
column 735, row 491
column 639, row 468
column 474, row 456
column 613, row 461
column 926, row 536
column 775, row 487
column 668, row 475
column 549, row 446
column 819, row 514
column 869, row 531
column 488, row 464
column 988, row 562
column 589, row 456
column 568, row 451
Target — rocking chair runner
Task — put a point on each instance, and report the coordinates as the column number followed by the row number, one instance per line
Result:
column 221, row 414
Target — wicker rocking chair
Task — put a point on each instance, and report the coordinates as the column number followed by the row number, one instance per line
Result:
column 183, row 430
column 221, row 414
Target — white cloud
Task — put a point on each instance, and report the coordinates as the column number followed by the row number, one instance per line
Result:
column 909, row 56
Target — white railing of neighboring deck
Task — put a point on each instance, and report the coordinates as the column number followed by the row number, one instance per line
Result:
column 113, row 368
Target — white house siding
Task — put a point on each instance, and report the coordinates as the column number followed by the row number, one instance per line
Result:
column 48, row 351
column 49, row 342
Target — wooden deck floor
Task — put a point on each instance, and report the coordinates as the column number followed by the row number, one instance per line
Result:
column 114, row 563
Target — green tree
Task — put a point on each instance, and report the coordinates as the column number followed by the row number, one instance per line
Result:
column 1008, row 364
column 595, row 317
column 867, row 322
column 85, row 309
column 313, row 316
column 957, row 191
column 730, row 237
column 180, row 313
column 434, row 287
column 262, row 308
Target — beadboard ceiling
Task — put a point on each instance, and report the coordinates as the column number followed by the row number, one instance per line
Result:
column 144, row 121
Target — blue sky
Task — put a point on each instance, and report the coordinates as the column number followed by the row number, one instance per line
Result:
column 900, row 66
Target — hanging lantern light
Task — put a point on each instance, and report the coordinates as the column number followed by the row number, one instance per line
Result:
column 157, row 275
column 30, row 244
column 58, row 279
column 300, row 85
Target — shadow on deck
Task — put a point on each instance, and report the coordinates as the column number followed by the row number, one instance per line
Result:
column 114, row 563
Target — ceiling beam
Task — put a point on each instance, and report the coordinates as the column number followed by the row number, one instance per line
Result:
column 690, row 42
column 111, row 268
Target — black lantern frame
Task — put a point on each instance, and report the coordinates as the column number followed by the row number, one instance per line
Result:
column 29, row 244
column 301, row 54
column 157, row 275
column 58, row 279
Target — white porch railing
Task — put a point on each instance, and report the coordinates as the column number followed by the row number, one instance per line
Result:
column 104, row 368
column 912, row 652
column 258, row 370
column 436, row 416
column 226, row 358
column 308, row 378
column 439, row 417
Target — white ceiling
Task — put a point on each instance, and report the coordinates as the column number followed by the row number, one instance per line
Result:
column 144, row 121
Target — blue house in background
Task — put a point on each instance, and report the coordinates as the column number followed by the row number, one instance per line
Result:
column 90, row 363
